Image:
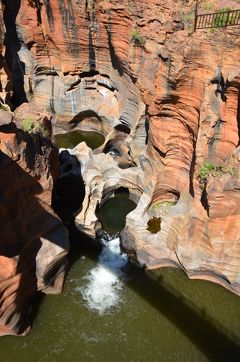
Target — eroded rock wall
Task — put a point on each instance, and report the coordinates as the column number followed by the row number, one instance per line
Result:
column 140, row 64
column 34, row 242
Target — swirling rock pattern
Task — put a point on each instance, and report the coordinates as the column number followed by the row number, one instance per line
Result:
column 102, row 65
column 34, row 242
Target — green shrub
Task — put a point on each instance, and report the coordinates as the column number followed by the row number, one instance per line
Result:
column 162, row 208
column 4, row 107
column 206, row 170
column 137, row 39
column 32, row 126
column 209, row 168
column 220, row 19
column 163, row 205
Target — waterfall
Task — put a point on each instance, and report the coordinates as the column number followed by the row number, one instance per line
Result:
column 104, row 281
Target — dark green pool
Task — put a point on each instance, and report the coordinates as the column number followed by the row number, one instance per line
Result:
column 161, row 317
column 113, row 212
column 73, row 138
column 174, row 319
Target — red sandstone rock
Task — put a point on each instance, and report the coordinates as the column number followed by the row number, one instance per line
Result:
column 81, row 62
column 34, row 243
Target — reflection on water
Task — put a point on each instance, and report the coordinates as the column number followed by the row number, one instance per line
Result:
column 72, row 139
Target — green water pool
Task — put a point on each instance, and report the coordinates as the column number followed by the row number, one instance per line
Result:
column 113, row 212
column 171, row 319
column 73, row 138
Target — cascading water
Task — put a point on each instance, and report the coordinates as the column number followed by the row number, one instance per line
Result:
column 102, row 291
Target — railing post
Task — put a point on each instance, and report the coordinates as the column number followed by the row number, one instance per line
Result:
column 227, row 19
column 196, row 13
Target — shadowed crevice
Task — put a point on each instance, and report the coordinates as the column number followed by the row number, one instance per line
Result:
column 13, row 46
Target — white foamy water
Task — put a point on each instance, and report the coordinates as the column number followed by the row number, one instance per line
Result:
column 104, row 281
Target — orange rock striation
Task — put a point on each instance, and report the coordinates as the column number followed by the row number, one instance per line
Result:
column 169, row 98
column 34, row 242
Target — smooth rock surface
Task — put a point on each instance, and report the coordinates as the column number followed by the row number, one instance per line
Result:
column 178, row 94
column 34, row 242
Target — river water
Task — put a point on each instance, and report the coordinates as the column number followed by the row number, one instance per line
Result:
column 160, row 316
column 113, row 311
column 171, row 319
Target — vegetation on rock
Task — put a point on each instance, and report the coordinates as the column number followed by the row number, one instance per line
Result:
column 137, row 39
column 221, row 19
column 4, row 107
column 32, row 126
column 209, row 168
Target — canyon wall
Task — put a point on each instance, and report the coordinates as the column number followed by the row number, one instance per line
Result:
column 166, row 97
column 34, row 242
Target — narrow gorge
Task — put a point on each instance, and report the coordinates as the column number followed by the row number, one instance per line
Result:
column 120, row 163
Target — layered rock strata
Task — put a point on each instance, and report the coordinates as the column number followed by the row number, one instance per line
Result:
column 34, row 242
column 166, row 99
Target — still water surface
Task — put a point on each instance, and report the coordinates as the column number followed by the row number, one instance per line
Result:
column 71, row 139
column 172, row 319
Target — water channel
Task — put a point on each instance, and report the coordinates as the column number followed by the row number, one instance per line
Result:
column 158, row 316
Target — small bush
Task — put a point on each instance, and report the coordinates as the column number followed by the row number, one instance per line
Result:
column 209, row 168
column 32, row 126
column 221, row 18
column 206, row 170
column 162, row 208
column 137, row 39
column 4, row 107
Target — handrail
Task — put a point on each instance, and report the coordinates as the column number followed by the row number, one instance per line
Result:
column 217, row 20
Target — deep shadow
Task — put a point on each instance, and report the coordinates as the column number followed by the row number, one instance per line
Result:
column 82, row 115
column 13, row 45
column 81, row 244
column 116, row 62
column 221, row 85
column 217, row 344
column 204, row 198
column 122, row 128
column 35, row 304
column 23, row 222
column 91, row 52
column 69, row 189
column 147, row 129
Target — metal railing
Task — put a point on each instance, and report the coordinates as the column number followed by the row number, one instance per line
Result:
column 217, row 20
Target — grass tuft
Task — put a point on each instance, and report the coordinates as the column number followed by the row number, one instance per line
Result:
column 32, row 126
column 137, row 39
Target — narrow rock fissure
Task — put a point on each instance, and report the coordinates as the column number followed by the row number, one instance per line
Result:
column 13, row 45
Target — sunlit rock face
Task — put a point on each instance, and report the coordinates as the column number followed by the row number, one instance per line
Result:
column 33, row 241
column 101, row 65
